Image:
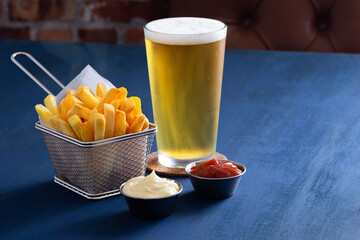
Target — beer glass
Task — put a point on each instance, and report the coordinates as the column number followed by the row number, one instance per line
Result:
column 185, row 59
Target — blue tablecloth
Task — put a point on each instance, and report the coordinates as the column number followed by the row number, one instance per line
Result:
column 293, row 119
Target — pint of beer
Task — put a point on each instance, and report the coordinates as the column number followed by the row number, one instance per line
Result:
column 185, row 62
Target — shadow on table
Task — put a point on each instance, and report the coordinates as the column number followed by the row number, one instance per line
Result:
column 125, row 224
column 189, row 203
column 111, row 225
column 33, row 203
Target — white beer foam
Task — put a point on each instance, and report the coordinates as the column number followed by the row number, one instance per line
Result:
column 185, row 31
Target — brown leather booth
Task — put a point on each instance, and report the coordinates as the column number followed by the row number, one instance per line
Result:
column 297, row 25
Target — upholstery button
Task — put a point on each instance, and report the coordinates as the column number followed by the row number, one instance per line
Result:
column 322, row 26
column 246, row 22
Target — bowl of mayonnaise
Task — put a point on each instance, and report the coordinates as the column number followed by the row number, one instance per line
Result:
column 151, row 196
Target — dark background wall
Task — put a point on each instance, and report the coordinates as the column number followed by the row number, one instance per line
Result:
column 102, row 21
column 297, row 25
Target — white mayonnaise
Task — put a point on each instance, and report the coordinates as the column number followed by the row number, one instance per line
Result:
column 151, row 186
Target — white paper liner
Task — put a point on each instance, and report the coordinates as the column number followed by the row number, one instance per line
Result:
column 89, row 78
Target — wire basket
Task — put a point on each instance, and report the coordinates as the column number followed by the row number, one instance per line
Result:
column 94, row 170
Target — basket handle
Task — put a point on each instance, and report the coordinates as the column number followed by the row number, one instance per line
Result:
column 32, row 76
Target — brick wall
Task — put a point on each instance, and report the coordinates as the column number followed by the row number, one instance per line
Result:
column 101, row 21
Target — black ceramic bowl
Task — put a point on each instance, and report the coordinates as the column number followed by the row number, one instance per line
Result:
column 151, row 207
column 214, row 187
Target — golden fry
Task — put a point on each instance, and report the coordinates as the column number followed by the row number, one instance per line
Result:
column 122, row 94
column 88, row 98
column 116, row 103
column 62, row 110
column 146, row 124
column 67, row 103
column 109, row 113
column 78, row 101
column 120, row 123
column 50, row 103
column 86, row 134
column 101, row 90
column 81, row 111
column 69, row 114
column 66, row 129
column 108, row 98
column 44, row 113
column 99, row 127
column 91, row 120
column 75, row 123
column 54, row 122
column 127, row 105
column 60, row 106
column 130, row 117
column 87, row 88
column 72, row 93
column 138, row 123
column 137, row 109
column 127, row 128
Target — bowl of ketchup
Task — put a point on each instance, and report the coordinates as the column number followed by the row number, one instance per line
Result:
column 215, row 178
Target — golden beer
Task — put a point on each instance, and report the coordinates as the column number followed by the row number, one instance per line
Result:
column 185, row 80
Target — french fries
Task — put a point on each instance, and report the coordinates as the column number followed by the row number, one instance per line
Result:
column 120, row 123
column 127, row 105
column 109, row 113
column 72, row 92
column 66, row 129
column 60, row 107
column 89, row 89
column 101, row 90
column 109, row 97
column 88, row 117
column 138, row 123
column 116, row 103
column 81, row 111
column 54, row 122
column 88, row 98
column 69, row 114
column 50, row 103
column 99, row 122
column 91, row 120
column 86, row 134
column 75, row 123
column 44, row 113
column 67, row 104
column 146, row 124
column 137, row 109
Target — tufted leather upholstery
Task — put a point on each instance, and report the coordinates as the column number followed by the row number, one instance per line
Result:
column 298, row 25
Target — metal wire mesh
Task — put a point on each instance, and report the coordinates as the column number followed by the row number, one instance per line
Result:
column 101, row 168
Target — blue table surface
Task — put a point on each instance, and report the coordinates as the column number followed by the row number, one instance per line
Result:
column 293, row 119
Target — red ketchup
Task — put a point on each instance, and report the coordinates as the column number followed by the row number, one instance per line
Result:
column 215, row 169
